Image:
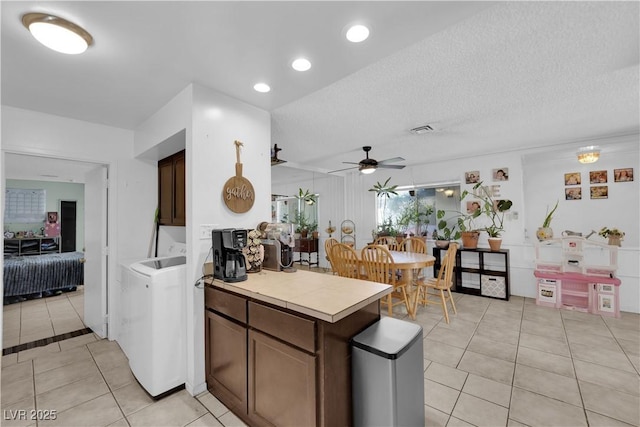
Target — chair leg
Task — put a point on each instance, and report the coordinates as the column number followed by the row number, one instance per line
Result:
column 407, row 304
column 390, row 304
column 444, row 306
column 453, row 304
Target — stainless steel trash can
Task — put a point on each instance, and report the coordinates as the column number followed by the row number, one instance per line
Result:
column 388, row 375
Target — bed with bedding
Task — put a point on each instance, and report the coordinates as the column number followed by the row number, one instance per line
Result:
column 42, row 275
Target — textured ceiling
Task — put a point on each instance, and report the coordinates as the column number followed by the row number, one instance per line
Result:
column 489, row 77
column 519, row 74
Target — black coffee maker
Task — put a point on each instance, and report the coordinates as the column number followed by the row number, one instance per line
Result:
column 228, row 259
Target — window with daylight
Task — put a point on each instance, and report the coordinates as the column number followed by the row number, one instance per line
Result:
column 412, row 211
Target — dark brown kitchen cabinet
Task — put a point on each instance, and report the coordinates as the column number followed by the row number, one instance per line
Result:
column 171, row 190
column 282, row 383
column 226, row 347
column 276, row 367
column 227, row 363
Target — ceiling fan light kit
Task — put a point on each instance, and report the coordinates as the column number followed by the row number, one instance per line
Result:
column 57, row 33
column 368, row 165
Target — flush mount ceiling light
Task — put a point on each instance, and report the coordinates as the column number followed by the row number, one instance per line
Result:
column 57, row 33
column 448, row 192
column 301, row 64
column 261, row 87
column 589, row 154
column 357, row 33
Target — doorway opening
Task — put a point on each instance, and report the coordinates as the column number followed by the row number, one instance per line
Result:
column 26, row 167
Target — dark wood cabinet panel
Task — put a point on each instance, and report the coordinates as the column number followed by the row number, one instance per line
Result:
column 297, row 369
column 282, row 383
column 171, row 190
column 179, row 198
column 226, row 360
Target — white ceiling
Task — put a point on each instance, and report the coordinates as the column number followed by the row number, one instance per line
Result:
column 488, row 77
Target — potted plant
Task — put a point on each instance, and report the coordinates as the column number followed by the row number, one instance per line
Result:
column 545, row 232
column 496, row 214
column 313, row 228
column 385, row 190
column 302, row 226
column 444, row 233
column 614, row 235
column 468, row 232
column 494, row 210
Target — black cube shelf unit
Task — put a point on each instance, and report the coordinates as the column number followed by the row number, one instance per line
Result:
column 478, row 271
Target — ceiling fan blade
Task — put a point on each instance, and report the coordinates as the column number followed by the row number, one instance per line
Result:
column 345, row 169
column 391, row 166
column 393, row 160
column 351, row 163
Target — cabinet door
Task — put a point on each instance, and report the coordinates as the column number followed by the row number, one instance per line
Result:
column 282, row 383
column 165, row 191
column 226, row 360
column 179, row 209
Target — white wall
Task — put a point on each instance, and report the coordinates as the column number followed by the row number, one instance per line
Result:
column 56, row 192
column 535, row 181
column 131, row 204
column 212, row 122
column 330, row 189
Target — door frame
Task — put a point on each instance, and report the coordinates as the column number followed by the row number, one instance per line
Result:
column 110, row 218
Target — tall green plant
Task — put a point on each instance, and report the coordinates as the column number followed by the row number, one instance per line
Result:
column 384, row 191
column 493, row 209
column 549, row 217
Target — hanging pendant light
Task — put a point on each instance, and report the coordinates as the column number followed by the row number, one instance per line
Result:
column 57, row 33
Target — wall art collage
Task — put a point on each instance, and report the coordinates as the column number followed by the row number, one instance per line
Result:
column 573, row 182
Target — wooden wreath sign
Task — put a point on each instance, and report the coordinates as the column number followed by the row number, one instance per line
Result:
column 237, row 192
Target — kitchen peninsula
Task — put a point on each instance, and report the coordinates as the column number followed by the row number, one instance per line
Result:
column 277, row 345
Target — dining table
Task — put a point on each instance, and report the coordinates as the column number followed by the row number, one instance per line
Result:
column 409, row 263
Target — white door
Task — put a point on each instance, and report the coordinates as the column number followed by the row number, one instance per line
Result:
column 95, row 242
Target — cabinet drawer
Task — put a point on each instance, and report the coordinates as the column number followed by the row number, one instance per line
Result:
column 287, row 327
column 226, row 303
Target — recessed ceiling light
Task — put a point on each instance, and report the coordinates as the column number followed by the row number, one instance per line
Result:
column 301, row 64
column 357, row 33
column 57, row 33
column 261, row 87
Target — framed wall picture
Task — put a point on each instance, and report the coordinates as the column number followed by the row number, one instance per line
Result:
column 623, row 175
column 573, row 193
column 501, row 174
column 473, row 206
column 599, row 192
column 472, row 177
column 597, row 177
column 572, row 178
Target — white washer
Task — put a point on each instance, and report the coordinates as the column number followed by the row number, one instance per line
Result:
column 153, row 323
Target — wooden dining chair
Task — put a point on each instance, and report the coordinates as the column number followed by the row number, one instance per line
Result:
column 389, row 241
column 438, row 290
column 416, row 245
column 346, row 262
column 380, row 267
column 328, row 244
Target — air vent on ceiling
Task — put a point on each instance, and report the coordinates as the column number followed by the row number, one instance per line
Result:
column 422, row 129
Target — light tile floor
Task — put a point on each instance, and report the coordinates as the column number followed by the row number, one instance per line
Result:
column 496, row 364
column 32, row 320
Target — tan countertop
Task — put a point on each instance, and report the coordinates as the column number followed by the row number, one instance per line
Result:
column 323, row 296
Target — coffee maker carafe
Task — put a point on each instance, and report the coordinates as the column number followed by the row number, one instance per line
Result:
column 228, row 259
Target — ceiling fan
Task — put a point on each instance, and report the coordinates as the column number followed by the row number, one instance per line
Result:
column 368, row 165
